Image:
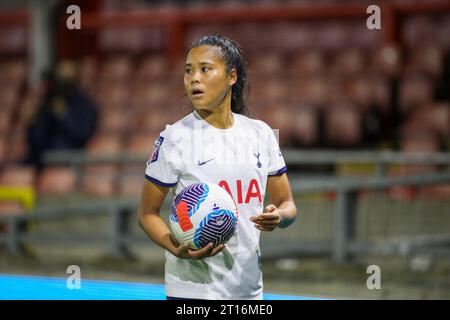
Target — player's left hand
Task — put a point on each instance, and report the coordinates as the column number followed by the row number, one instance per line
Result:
column 268, row 220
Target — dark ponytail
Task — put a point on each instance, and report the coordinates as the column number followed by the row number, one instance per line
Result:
column 233, row 56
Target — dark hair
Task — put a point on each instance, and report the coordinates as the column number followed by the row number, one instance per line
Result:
column 233, row 55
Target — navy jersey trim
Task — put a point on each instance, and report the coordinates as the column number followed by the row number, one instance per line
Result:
column 279, row 172
column 160, row 183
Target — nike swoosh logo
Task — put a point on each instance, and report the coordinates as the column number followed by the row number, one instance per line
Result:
column 200, row 163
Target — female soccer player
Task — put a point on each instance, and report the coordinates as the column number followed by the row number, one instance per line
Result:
column 217, row 143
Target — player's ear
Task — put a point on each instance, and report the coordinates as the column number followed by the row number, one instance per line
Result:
column 232, row 77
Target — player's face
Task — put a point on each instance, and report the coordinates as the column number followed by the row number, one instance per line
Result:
column 206, row 80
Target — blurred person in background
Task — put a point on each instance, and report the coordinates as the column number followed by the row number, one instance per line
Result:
column 66, row 118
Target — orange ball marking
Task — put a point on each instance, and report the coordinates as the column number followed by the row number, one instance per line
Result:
column 183, row 216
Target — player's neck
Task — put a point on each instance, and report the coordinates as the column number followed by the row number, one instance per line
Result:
column 221, row 117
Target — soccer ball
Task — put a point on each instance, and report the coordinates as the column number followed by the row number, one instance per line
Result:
column 202, row 213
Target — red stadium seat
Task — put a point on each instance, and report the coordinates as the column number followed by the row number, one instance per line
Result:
column 9, row 94
column 131, row 185
column 116, row 68
column 380, row 88
column 439, row 119
column 57, row 181
column 13, row 146
column 419, row 31
column 153, row 121
column 112, row 94
column 308, row 63
column 305, row 126
column 443, row 30
column 88, row 72
column 141, row 143
column 415, row 90
column 102, row 144
column 17, row 176
column 10, row 207
column 2, row 148
column 152, row 67
column 419, row 139
column 12, row 72
column 310, row 90
column 29, row 104
column 434, row 117
column 360, row 91
column 5, row 119
column 17, row 146
column 329, row 35
column 98, row 184
column 99, row 179
column 273, row 91
column 124, row 39
column 269, row 63
column 428, row 60
column 347, row 62
column 416, row 140
column 256, row 97
column 342, row 126
column 280, row 117
column 150, row 93
column 387, row 60
column 113, row 121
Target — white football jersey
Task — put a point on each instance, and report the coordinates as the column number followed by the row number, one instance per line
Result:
column 239, row 159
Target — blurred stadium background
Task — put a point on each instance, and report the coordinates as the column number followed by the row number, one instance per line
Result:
column 364, row 119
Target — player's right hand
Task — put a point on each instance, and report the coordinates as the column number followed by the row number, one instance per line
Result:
column 185, row 252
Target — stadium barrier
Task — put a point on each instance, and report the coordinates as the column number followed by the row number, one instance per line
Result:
column 381, row 160
column 340, row 232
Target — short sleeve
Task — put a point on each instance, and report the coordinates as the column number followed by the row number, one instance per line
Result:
column 277, row 166
column 162, row 167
